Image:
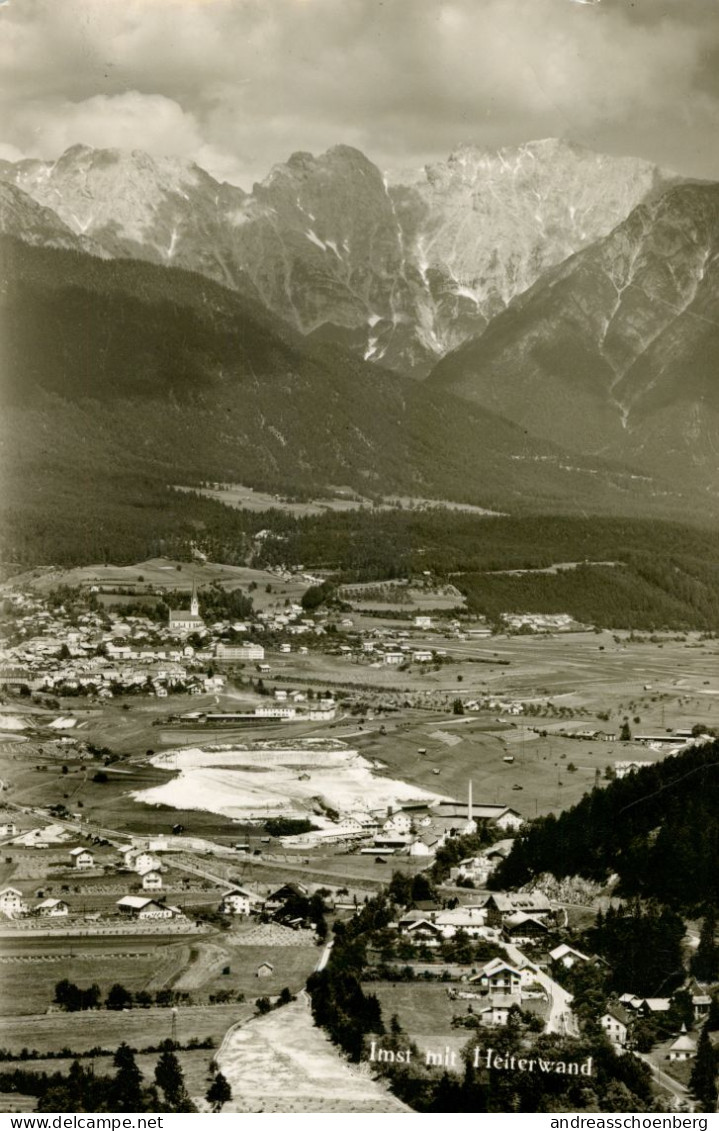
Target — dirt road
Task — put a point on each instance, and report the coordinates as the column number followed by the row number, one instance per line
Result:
column 283, row 1063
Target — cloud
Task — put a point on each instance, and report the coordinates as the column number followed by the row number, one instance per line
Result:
column 239, row 84
column 128, row 121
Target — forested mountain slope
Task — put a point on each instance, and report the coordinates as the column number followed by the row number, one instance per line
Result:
column 657, row 828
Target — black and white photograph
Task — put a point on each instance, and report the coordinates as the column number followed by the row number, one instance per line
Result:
column 359, row 559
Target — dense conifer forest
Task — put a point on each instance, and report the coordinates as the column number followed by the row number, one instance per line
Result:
column 656, row 828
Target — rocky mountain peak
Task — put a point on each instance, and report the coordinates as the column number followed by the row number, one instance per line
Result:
column 402, row 273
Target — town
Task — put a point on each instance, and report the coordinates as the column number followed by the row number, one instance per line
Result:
column 212, row 775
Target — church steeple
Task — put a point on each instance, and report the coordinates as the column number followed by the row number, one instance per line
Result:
column 194, row 603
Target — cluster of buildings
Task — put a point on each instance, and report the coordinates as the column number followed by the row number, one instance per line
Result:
column 104, row 653
column 145, row 864
column 522, row 919
column 412, row 828
column 98, row 654
column 622, row 1015
column 541, row 622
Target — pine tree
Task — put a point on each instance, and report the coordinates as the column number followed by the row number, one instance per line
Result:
column 703, row 1078
column 127, row 1084
column 219, row 1092
column 712, row 1021
column 169, row 1077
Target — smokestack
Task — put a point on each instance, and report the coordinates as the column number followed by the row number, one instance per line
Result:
column 469, row 801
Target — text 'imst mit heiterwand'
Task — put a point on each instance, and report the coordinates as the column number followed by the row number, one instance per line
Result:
column 481, row 1058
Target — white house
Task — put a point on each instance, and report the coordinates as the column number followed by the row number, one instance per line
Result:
column 397, row 823
column 501, row 815
column 52, row 908
column 275, row 712
column 152, row 881
column 143, row 907
column 567, row 955
column 615, row 1023
column 497, row 976
column 237, row 901
column 471, row 920
column 146, row 862
column 81, row 858
column 497, row 1012
column 425, row 845
column 11, row 901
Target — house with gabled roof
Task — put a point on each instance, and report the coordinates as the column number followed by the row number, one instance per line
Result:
column 144, row 907
column 522, row 928
column 418, row 924
column 471, row 920
column 238, row 901
column 279, row 897
column 425, row 845
column 82, row 858
column 616, row 1022
column 567, row 955
column 496, row 1011
column 52, row 908
column 500, row 905
column 701, row 1004
column 11, row 901
column 151, row 881
column 498, row 976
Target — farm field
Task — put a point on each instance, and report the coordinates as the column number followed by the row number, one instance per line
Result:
column 399, row 596
column 107, row 1029
column 16, row 1102
column 425, row 1012
column 30, row 968
column 239, row 497
column 28, row 985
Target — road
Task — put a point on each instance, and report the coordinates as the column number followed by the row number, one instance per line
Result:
column 668, row 1082
column 561, row 1019
column 325, row 956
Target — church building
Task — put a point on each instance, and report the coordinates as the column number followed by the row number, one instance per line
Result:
column 183, row 622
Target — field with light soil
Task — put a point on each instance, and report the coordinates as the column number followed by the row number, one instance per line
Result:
column 266, row 781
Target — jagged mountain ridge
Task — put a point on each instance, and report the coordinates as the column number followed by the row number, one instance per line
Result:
column 24, row 218
column 400, row 273
column 614, row 351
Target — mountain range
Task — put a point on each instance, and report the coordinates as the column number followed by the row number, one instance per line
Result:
column 528, row 329
column 614, row 352
column 399, row 272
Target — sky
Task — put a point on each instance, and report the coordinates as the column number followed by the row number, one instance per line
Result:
column 238, row 85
